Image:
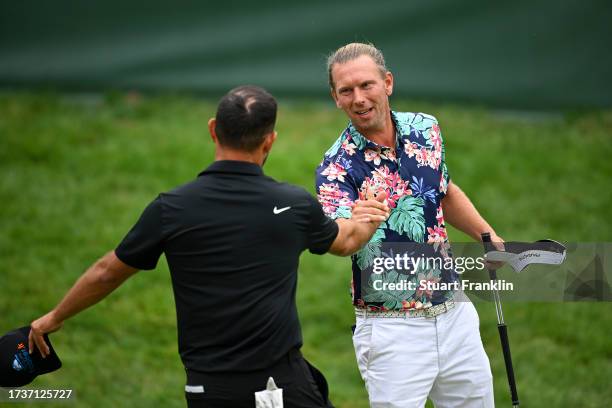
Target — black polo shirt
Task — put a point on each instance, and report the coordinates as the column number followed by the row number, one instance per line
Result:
column 232, row 239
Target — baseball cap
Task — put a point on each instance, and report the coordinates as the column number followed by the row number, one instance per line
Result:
column 17, row 366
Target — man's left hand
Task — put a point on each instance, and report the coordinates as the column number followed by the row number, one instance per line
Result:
column 39, row 327
column 498, row 243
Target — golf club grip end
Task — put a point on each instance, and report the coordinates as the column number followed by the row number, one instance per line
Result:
column 486, row 241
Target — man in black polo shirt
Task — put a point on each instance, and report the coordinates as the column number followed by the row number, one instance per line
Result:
column 232, row 239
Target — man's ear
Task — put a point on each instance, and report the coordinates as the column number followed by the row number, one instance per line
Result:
column 389, row 83
column 212, row 122
column 269, row 141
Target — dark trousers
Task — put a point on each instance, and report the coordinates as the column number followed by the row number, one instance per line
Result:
column 303, row 385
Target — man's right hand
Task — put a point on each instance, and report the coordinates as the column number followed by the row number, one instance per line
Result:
column 355, row 232
column 371, row 210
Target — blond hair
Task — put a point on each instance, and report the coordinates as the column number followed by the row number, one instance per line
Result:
column 353, row 51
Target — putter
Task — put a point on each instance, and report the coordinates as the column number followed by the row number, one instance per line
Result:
column 519, row 255
column 501, row 325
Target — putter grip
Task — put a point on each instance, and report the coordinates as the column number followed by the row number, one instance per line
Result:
column 486, row 240
column 503, row 336
column 488, row 246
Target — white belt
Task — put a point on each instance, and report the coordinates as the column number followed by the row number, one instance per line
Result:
column 430, row 312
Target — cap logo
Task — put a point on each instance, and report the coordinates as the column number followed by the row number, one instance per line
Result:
column 23, row 361
column 16, row 364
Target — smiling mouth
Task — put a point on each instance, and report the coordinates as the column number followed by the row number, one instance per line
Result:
column 363, row 112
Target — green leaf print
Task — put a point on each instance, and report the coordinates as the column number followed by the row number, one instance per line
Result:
column 407, row 218
column 379, row 235
column 365, row 257
column 357, row 138
column 392, row 299
column 343, row 212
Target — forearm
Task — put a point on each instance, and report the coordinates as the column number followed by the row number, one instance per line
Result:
column 462, row 214
column 94, row 285
column 352, row 236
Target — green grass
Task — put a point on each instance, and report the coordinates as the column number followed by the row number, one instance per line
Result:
column 75, row 175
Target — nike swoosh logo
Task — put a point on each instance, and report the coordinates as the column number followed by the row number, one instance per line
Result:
column 277, row 211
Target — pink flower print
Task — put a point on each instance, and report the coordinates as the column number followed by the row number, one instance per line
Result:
column 334, row 171
column 382, row 174
column 433, row 159
column 348, row 147
column 438, row 155
column 421, row 156
column 370, row 188
column 439, row 239
column 408, row 304
column 388, row 154
column 440, row 216
column 422, row 289
column 443, row 184
column 436, row 234
column 372, row 155
column 418, row 304
column 397, row 188
column 410, row 149
column 331, row 197
column 384, row 179
column 434, row 135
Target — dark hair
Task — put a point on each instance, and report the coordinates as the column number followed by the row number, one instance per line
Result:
column 244, row 116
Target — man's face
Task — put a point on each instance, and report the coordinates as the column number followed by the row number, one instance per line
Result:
column 362, row 91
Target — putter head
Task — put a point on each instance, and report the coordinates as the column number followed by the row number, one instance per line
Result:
column 519, row 255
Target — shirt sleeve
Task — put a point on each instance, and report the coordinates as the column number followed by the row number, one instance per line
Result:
column 323, row 230
column 143, row 245
column 335, row 190
column 443, row 169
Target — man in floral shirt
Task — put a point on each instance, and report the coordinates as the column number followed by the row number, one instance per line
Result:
column 410, row 342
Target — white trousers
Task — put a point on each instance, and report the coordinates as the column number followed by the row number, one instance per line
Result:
column 404, row 360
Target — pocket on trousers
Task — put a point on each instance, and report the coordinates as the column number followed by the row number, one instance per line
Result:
column 320, row 382
column 362, row 342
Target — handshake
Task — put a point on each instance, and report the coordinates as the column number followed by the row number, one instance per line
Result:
column 371, row 208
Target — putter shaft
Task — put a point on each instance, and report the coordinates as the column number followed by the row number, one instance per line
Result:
column 502, row 328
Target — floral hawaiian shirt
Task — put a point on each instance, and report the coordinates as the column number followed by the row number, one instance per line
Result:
column 413, row 173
